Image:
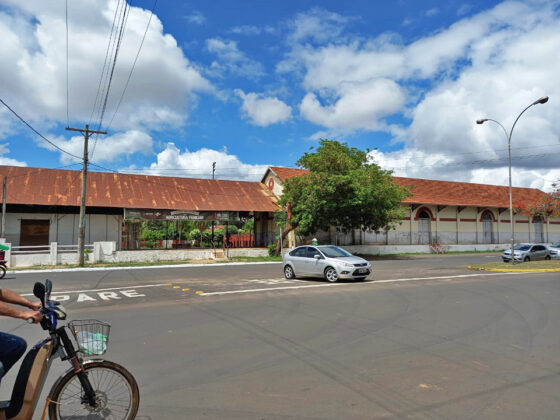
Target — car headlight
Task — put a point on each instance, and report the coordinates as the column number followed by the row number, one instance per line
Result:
column 347, row 265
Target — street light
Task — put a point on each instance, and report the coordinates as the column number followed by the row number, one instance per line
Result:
column 542, row 100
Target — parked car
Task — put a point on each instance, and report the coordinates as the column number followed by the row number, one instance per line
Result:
column 527, row 252
column 555, row 251
column 327, row 261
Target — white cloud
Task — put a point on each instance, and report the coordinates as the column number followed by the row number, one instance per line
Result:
column 196, row 18
column 198, row 164
column 33, row 73
column 252, row 30
column 103, row 148
column 8, row 161
column 492, row 64
column 359, row 105
column 231, row 59
column 317, row 25
column 263, row 111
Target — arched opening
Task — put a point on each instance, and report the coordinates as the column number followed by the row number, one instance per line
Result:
column 424, row 232
column 538, row 224
column 487, row 231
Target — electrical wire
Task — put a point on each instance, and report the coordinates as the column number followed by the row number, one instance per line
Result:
column 67, row 88
column 122, row 26
column 102, row 76
column 133, row 66
column 39, row 134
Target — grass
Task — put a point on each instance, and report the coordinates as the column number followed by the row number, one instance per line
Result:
column 530, row 265
column 412, row 254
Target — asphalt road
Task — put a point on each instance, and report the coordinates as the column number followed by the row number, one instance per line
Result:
column 422, row 338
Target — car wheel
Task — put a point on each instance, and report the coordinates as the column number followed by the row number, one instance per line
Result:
column 526, row 259
column 289, row 272
column 547, row 257
column 331, row 275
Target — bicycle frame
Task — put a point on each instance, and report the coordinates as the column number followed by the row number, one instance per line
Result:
column 35, row 368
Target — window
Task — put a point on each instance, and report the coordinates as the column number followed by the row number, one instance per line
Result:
column 299, row 252
column 311, row 252
column 34, row 232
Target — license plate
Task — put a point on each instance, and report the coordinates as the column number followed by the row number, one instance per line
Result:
column 362, row 270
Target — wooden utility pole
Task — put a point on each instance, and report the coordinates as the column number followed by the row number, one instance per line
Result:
column 82, row 220
column 213, row 169
column 4, row 208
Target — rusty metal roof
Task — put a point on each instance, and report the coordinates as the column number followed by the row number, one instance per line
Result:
column 57, row 187
column 449, row 193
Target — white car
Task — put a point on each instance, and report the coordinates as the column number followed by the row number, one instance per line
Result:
column 555, row 251
column 327, row 261
column 527, row 252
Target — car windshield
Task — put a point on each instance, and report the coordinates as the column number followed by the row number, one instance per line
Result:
column 555, row 245
column 522, row 247
column 334, row 252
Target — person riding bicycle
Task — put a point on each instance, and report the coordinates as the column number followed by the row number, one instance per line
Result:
column 12, row 347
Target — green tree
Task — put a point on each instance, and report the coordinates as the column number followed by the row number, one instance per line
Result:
column 343, row 189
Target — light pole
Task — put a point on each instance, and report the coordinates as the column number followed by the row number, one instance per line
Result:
column 542, row 100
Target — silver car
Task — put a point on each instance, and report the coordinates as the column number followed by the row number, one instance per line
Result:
column 327, row 261
column 527, row 252
column 555, row 251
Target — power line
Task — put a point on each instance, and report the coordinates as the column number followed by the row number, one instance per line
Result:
column 67, row 89
column 133, row 64
column 39, row 134
column 122, row 25
column 102, row 76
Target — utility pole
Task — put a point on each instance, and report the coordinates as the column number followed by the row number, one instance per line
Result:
column 82, row 221
column 213, row 169
column 4, row 207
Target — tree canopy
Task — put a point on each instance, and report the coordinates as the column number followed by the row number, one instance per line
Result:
column 343, row 189
column 547, row 205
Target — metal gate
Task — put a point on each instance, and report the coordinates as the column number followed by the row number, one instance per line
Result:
column 538, row 230
column 487, row 231
column 423, row 230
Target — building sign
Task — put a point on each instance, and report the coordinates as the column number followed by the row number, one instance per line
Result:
column 184, row 215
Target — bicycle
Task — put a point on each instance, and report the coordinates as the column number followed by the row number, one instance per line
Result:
column 91, row 388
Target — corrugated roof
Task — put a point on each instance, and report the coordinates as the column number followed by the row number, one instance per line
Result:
column 56, row 187
column 450, row 193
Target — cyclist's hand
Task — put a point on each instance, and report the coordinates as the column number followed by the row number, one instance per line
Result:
column 36, row 316
column 35, row 305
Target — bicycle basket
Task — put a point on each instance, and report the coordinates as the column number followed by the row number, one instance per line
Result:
column 92, row 336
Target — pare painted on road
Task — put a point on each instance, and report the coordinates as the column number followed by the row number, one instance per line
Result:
column 98, row 296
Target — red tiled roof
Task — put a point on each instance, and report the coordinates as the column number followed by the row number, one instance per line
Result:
column 426, row 191
column 56, row 187
column 285, row 173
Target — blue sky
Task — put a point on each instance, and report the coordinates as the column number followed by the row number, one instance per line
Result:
column 256, row 83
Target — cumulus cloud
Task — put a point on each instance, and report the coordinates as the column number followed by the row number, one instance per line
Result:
column 198, row 164
column 263, row 111
column 33, row 73
column 492, row 65
column 104, row 148
column 231, row 59
column 8, row 161
column 317, row 25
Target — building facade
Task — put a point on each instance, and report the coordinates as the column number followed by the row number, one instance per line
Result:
column 446, row 213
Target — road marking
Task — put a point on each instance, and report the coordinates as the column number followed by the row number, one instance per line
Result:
column 105, row 290
column 231, row 292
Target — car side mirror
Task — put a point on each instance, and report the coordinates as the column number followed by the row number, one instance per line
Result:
column 317, row 257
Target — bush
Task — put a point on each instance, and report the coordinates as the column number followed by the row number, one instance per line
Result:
column 272, row 250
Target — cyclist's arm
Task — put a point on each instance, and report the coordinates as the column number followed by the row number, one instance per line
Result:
column 12, row 297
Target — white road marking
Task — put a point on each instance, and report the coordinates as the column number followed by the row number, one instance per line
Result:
column 231, row 292
column 104, row 290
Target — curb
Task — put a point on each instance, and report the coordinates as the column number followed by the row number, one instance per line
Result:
column 140, row 267
column 517, row 270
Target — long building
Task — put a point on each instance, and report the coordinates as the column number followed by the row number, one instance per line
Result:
column 447, row 212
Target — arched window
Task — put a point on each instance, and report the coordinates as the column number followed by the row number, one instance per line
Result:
column 487, row 230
